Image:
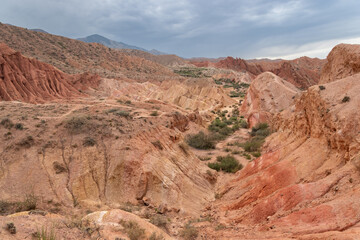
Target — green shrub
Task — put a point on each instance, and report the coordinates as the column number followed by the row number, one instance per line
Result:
column 256, row 154
column 261, row 129
column 201, row 141
column 227, row 164
column 253, row 145
column 189, row 232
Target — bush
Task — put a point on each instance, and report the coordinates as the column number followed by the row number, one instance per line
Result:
column 261, row 129
column 26, row 142
column 189, row 232
column 154, row 113
column 153, row 236
column 7, row 123
column 201, row 141
column 19, row 126
column 89, row 142
column 227, row 164
column 321, row 87
column 133, row 230
column 346, row 99
column 253, row 145
column 159, row 221
column 77, row 124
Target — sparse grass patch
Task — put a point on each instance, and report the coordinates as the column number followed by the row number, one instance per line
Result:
column 78, row 124
column 7, row 123
column 44, row 234
column 154, row 236
column 133, row 230
column 159, row 220
column 189, row 232
column 227, row 164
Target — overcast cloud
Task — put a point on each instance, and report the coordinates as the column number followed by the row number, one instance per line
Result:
column 194, row 28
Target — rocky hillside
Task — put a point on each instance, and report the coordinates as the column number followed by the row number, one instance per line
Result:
column 29, row 80
column 343, row 61
column 73, row 56
column 302, row 72
column 306, row 183
column 268, row 95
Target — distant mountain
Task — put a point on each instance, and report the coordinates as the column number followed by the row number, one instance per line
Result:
column 96, row 38
column 156, row 52
column 38, row 30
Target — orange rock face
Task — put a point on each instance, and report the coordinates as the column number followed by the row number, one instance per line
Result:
column 342, row 61
column 268, row 94
column 29, row 80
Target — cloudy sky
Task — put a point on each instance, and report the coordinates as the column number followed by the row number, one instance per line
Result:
column 194, row 28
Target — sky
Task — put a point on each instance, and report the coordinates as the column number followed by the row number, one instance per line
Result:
column 199, row 28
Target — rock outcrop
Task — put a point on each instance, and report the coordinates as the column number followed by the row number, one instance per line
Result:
column 342, row 61
column 306, row 184
column 29, row 80
column 302, row 72
column 268, row 94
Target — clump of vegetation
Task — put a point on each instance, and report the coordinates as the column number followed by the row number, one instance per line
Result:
column 59, row 168
column 154, row 113
column 321, row 87
column 78, row 124
column 133, row 230
column 159, row 220
column 45, row 235
column 158, row 145
column 89, row 142
column 227, row 164
column 201, row 141
column 118, row 112
column 29, row 203
column 191, row 72
column 345, row 99
column 11, row 228
column 258, row 133
column 26, row 142
column 19, row 126
column 220, row 128
column 261, row 130
column 153, row 236
column 189, row 232
column 7, row 123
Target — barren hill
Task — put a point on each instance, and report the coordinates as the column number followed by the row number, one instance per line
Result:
column 73, row 56
column 302, row 72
